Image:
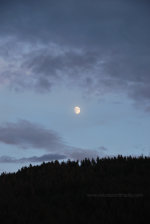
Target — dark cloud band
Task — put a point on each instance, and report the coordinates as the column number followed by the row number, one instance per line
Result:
column 27, row 135
column 103, row 46
column 33, row 159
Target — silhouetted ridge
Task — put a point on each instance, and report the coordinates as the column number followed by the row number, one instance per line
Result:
column 108, row 190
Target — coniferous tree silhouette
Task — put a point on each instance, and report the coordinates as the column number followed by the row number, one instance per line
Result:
column 78, row 192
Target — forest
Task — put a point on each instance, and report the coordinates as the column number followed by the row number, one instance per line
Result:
column 101, row 190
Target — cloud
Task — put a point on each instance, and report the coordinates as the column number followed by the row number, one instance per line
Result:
column 101, row 46
column 74, row 153
column 74, row 21
column 33, row 159
column 79, row 154
column 27, row 135
column 102, row 148
column 41, row 67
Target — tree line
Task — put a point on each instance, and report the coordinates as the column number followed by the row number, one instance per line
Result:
column 101, row 190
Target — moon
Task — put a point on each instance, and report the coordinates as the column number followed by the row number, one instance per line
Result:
column 77, row 110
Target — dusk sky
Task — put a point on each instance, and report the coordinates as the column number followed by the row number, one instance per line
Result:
column 58, row 54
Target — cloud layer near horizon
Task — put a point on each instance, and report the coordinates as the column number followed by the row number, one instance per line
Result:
column 26, row 135
column 33, row 159
column 100, row 46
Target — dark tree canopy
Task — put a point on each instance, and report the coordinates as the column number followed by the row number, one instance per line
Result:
column 74, row 192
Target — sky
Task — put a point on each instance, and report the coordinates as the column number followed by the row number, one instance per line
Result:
column 58, row 54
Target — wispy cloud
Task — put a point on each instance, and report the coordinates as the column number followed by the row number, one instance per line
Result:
column 33, row 159
column 103, row 46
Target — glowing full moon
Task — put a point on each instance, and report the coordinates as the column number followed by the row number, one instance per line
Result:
column 77, row 110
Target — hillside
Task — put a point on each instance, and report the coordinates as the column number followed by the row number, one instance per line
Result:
column 109, row 190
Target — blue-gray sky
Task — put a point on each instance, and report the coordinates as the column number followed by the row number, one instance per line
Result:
column 58, row 54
